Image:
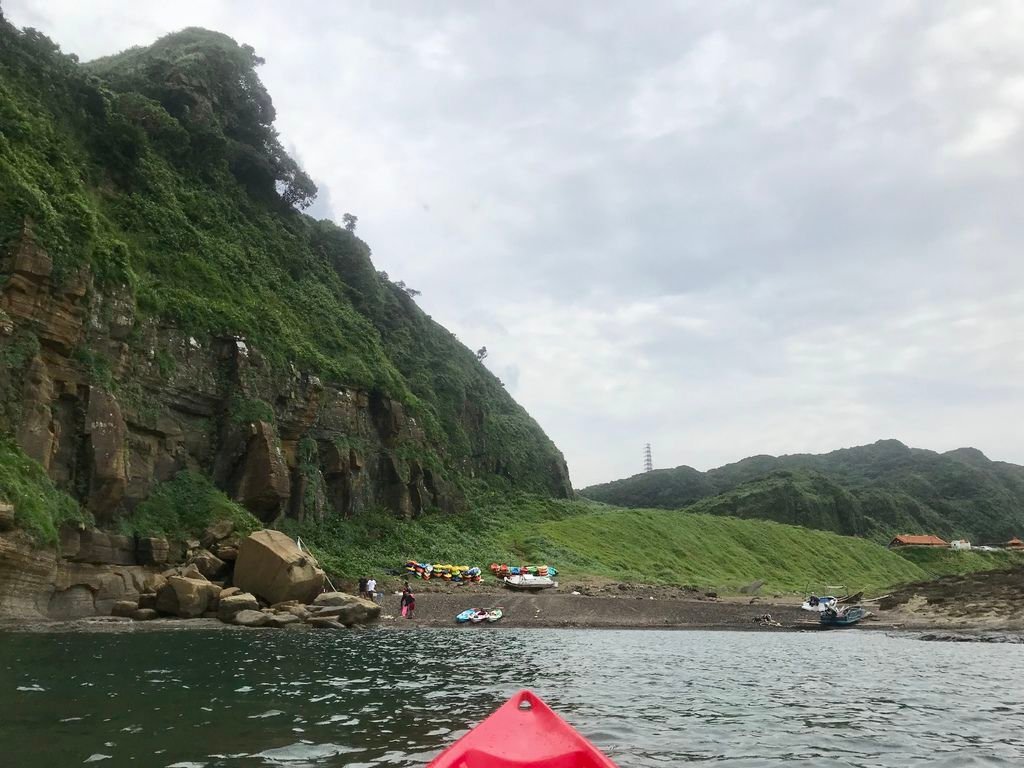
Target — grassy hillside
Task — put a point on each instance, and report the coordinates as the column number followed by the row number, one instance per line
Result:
column 160, row 173
column 942, row 562
column 584, row 540
column 873, row 491
column 651, row 546
column 39, row 508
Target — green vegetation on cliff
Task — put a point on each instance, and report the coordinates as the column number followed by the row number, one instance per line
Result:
column 873, row 491
column 186, row 505
column 39, row 508
column 587, row 541
column 160, row 173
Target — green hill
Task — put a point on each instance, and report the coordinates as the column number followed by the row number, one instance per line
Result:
column 594, row 541
column 875, row 491
column 166, row 308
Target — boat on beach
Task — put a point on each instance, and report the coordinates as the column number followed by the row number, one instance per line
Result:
column 844, row 616
column 528, row 583
column 833, row 612
column 479, row 615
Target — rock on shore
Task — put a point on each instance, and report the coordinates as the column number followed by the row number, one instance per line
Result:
column 271, row 566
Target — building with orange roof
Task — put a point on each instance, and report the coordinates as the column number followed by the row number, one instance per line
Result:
column 910, row 540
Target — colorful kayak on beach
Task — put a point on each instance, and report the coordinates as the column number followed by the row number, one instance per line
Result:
column 524, row 732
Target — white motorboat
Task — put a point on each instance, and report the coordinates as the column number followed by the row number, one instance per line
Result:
column 527, row 582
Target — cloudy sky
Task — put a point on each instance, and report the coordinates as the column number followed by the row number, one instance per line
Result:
column 723, row 228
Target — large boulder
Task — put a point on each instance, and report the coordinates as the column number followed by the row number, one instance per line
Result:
column 183, row 597
column 216, row 532
column 271, row 566
column 226, row 551
column 348, row 609
column 250, row 618
column 124, row 608
column 154, row 582
column 191, row 571
column 208, row 564
column 232, row 604
column 212, row 596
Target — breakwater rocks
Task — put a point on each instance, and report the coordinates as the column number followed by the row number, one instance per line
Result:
column 259, row 580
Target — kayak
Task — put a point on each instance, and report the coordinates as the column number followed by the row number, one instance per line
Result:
column 494, row 615
column 522, row 733
column 465, row 616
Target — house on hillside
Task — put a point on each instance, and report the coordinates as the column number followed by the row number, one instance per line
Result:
column 909, row 540
column 961, row 545
column 1015, row 543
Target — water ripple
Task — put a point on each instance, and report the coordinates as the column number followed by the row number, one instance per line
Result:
column 387, row 698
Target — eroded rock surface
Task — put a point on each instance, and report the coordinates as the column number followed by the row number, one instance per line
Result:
column 272, row 567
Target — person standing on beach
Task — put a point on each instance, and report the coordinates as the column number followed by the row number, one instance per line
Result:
column 362, row 587
column 371, row 589
column 408, row 602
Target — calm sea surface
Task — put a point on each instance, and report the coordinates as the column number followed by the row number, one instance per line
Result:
column 392, row 698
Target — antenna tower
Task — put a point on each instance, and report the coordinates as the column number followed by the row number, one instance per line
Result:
column 648, row 461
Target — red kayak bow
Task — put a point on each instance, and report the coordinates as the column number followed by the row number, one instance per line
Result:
column 523, row 733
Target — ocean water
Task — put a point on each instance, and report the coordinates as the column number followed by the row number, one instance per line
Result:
column 190, row 699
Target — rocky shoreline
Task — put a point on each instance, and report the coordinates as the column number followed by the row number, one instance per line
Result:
column 436, row 610
column 260, row 580
column 103, row 582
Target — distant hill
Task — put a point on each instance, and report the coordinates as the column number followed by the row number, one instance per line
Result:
column 872, row 490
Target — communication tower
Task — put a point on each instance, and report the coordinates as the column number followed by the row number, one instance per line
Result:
column 648, row 461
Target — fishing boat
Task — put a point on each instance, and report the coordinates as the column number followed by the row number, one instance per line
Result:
column 817, row 604
column 527, row 582
column 842, row 616
column 524, row 732
column 839, row 592
column 833, row 612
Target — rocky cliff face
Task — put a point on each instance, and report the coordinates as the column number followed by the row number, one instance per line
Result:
column 36, row 583
column 165, row 306
column 281, row 443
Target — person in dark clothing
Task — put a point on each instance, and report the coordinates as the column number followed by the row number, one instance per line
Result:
column 362, row 587
column 408, row 602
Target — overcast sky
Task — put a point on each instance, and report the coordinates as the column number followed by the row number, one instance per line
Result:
column 721, row 228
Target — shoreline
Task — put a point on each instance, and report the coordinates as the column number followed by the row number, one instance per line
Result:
column 437, row 610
